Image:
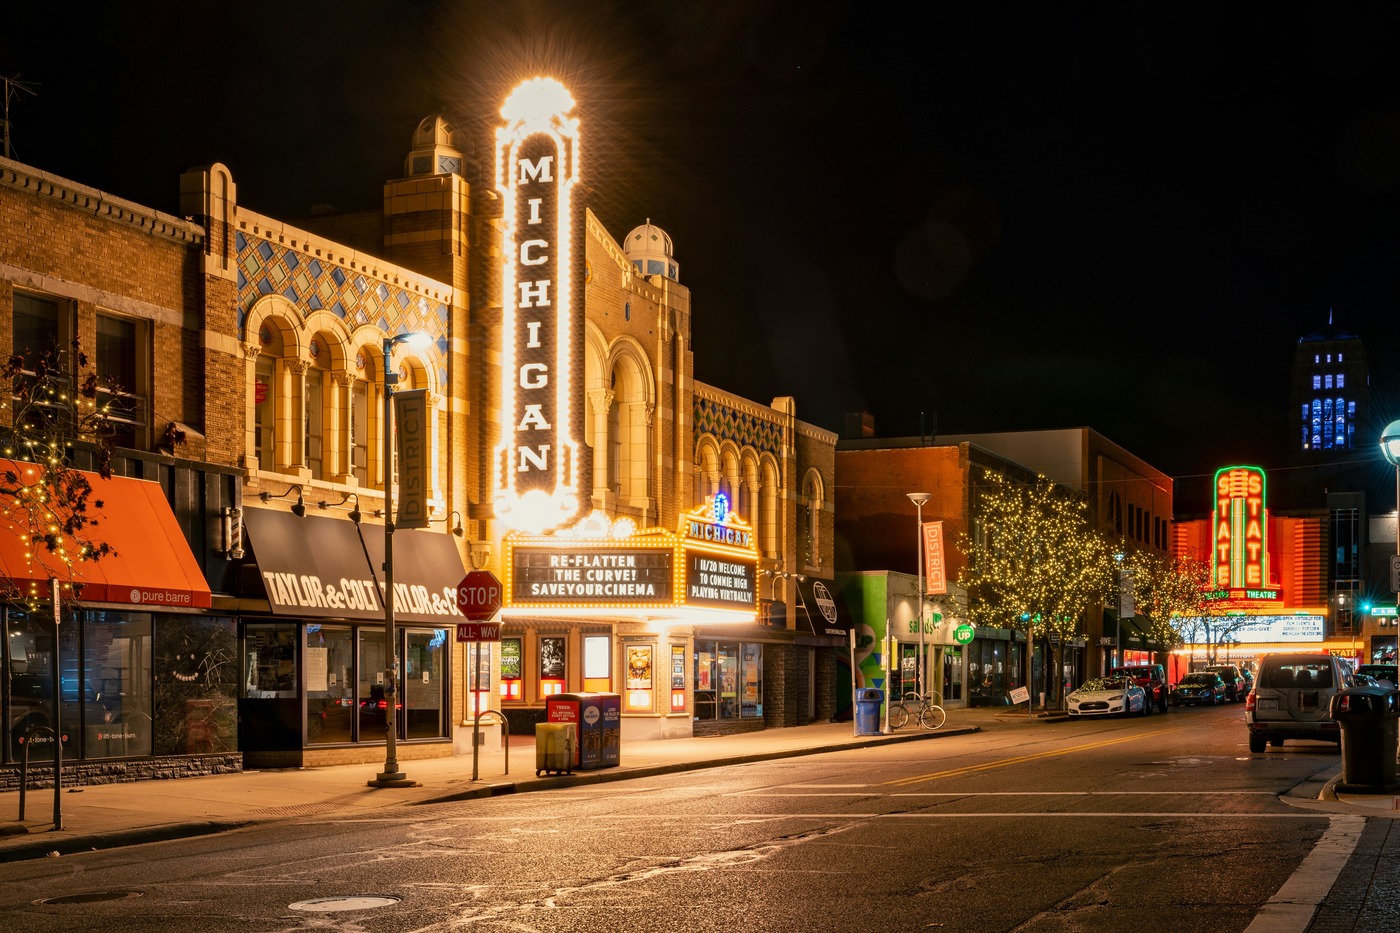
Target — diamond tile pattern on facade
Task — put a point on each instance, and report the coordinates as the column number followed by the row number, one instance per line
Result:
column 746, row 430
column 310, row 285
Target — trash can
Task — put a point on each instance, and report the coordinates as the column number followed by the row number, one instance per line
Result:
column 1368, row 718
column 868, row 700
column 598, row 719
column 554, row 748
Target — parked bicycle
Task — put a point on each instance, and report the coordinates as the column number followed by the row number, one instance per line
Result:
column 926, row 708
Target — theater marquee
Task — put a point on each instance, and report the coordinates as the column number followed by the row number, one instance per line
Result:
column 709, row 564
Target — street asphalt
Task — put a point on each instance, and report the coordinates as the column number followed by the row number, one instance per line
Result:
column 107, row 816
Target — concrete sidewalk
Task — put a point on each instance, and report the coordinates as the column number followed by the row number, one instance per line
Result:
column 110, row 815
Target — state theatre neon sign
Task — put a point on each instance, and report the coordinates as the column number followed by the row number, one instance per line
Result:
column 1241, row 529
column 537, row 155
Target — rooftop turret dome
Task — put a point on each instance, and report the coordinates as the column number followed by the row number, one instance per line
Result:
column 648, row 248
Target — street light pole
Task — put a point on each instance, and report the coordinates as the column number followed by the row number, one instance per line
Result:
column 1118, row 613
column 1390, row 447
column 391, row 776
column 919, row 498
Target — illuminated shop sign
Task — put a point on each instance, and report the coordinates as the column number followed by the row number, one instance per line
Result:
column 1244, row 594
column 536, row 465
column 1241, row 523
column 716, row 522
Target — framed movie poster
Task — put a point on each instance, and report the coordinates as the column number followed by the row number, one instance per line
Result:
column 551, row 658
column 639, row 667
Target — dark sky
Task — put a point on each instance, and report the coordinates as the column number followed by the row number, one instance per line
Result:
column 991, row 216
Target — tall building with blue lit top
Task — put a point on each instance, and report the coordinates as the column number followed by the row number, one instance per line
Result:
column 1330, row 396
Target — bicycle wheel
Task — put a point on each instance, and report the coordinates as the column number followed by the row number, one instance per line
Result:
column 932, row 717
column 899, row 715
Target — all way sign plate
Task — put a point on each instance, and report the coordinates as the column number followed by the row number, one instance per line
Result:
column 478, row 631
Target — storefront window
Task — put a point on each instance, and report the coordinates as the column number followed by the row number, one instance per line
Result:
column 424, row 664
column 30, row 652
column 751, row 683
column 478, row 683
column 639, row 673
column 597, row 663
column 330, row 684
column 728, row 680
column 510, row 669
column 552, row 669
column 196, row 685
column 118, row 680
column 270, row 661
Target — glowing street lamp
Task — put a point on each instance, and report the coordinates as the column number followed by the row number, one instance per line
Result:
column 1390, row 446
column 391, row 776
column 919, row 498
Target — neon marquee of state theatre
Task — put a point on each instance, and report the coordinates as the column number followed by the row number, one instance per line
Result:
column 1241, row 535
column 537, row 469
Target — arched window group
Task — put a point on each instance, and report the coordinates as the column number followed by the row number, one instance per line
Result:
column 315, row 397
column 750, row 479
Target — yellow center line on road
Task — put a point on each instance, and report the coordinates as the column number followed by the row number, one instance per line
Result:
column 1003, row 762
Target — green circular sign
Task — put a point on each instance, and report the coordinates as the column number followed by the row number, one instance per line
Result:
column 964, row 634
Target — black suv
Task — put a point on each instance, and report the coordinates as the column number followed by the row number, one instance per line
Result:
column 1235, row 685
column 1152, row 679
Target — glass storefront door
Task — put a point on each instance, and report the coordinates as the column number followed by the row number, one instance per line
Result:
column 374, row 703
column 424, row 663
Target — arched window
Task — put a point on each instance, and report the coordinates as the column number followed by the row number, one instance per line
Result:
column 768, row 526
column 628, row 427
column 317, row 395
column 813, row 496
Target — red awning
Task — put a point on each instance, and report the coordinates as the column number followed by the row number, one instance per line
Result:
column 152, row 564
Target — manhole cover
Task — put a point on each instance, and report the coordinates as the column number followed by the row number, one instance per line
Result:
column 91, row 897
column 349, row 902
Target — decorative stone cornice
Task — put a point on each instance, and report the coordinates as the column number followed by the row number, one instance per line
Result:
column 23, row 178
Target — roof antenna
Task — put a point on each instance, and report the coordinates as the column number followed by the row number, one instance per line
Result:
column 12, row 87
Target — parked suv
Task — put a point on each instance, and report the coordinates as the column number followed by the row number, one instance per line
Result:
column 1384, row 674
column 1292, row 699
column 1235, row 685
column 1153, row 681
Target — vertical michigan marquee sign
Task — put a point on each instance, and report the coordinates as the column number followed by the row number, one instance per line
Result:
column 536, row 465
column 1241, row 529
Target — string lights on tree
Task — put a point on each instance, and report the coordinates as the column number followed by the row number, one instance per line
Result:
column 45, row 500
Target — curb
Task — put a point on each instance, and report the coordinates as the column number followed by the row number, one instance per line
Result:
column 46, row 845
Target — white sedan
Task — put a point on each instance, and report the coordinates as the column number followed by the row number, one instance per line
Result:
column 1108, row 696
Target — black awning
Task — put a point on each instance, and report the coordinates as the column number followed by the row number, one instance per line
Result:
column 821, row 610
column 330, row 568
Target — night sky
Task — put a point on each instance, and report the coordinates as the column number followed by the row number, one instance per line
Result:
column 970, row 215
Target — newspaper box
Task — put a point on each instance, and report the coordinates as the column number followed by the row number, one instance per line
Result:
column 597, row 717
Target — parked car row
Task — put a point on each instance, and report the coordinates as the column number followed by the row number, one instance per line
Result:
column 1117, row 693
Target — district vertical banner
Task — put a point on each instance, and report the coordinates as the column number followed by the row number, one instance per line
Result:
column 411, row 428
column 935, row 570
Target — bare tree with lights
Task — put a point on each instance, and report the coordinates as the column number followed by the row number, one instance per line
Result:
column 1034, row 564
column 1171, row 592
column 54, row 403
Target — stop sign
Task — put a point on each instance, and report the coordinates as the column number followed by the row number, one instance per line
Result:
column 479, row 596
